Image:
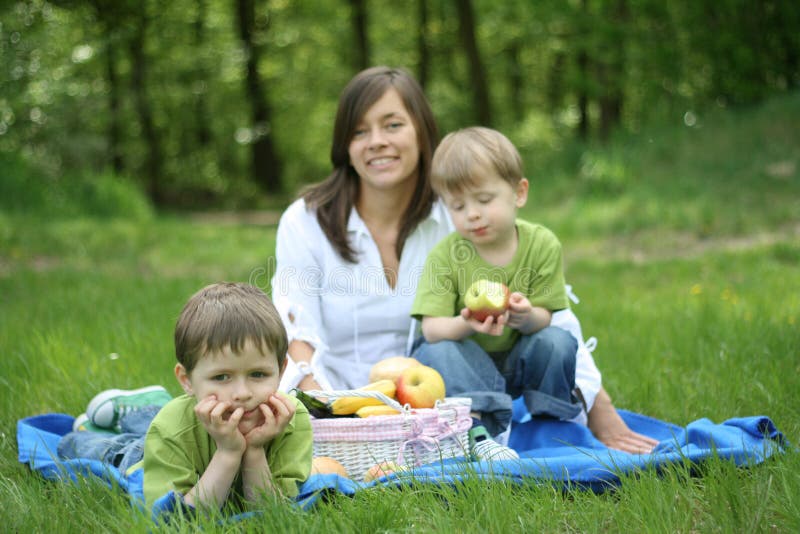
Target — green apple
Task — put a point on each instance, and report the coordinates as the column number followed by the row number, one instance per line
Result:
column 485, row 298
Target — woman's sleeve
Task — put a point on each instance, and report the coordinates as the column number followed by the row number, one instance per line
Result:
column 296, row 288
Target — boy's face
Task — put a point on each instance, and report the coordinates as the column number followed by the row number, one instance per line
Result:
column 485, row 213
column 245, row 380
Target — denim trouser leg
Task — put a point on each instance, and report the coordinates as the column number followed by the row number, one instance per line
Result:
column 120, row 450
column 469, row 372
column 541, row 368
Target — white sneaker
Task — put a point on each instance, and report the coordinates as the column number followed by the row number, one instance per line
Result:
column 107, row 407
column 483, row 447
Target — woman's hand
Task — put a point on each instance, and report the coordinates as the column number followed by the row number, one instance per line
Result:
column 301, row 351
column 309, row 383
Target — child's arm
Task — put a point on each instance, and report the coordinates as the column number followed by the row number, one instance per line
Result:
column 215, row 483
column 525, row 317
column 459, row 327
column 256, row 473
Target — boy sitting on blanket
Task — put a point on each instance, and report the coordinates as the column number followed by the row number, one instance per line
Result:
column 478, row 174
column 232, row 438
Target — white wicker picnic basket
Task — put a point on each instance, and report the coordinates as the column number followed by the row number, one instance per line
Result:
column 412, row 438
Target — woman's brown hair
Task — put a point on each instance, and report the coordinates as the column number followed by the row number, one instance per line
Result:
column 334, row 197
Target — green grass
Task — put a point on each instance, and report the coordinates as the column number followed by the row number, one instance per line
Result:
column 687, row 263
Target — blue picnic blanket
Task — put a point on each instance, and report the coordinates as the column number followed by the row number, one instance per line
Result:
column 555, row 452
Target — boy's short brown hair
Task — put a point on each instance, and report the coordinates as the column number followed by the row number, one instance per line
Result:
column 228, row 314
column 462, row 153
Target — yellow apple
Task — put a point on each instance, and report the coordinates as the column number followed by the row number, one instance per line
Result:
column 323, row 465
column 381, row 470
column 485, row 298
column 420, row 386
column 390, row 368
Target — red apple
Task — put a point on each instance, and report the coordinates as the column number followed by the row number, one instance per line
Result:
column 390, row 368
column 485, row 298
column 420, row 386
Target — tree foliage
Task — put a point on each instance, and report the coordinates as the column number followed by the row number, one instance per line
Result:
column 203, row 101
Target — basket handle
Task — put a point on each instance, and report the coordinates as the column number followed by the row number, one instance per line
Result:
column 361, row 393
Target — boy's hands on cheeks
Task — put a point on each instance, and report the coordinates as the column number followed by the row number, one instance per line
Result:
column 221, row 424
column 276, row 412
column 491, row 325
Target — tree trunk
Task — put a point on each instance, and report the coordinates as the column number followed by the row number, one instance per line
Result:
column 583, row 74
column 466, row 19
column 202, row 127
column 359, row 20
column 583, row 95
column 555, row 82
column 422, row 43
column 114, row 111
column 516, row 80
column 266, row 166
column 154, row 159
column 611, row 69
column 109, row 22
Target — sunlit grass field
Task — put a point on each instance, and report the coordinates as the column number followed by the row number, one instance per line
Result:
column 683, row 246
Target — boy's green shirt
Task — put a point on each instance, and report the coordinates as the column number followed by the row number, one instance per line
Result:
column 453, row 265
column 178, row 449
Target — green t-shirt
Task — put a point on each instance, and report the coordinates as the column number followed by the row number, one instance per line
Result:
column 178, row 449
column 536, row 271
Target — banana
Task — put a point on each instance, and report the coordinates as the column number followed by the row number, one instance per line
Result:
column 349, row 405
column 369, row 411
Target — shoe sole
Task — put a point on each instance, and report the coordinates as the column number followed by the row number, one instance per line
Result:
column 110, row 394
column 81, row 420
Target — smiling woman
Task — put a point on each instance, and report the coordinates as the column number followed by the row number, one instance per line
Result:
column 375, row 213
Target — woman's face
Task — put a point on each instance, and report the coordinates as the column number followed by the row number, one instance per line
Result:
column 384, row 150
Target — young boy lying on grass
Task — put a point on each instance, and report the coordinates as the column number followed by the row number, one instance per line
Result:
column 232, row 438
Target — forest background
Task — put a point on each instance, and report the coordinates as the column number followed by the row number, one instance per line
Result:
column 209, row 104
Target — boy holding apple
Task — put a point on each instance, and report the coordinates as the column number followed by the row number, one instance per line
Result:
column 488, row 291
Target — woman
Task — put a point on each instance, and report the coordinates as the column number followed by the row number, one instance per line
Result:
column 351, row 249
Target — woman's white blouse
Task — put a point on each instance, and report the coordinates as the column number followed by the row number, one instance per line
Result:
column 348, row 310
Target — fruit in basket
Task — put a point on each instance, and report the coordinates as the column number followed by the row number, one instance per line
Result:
column 381, row 470
column 325, row 465
column 349, row 405
column 420, row 386
column 390, row 368
column 485, row 298
column 369, row 411
column 315, row 407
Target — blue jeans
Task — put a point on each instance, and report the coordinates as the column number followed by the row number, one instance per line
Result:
column 120, row 450
column 540, row 367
